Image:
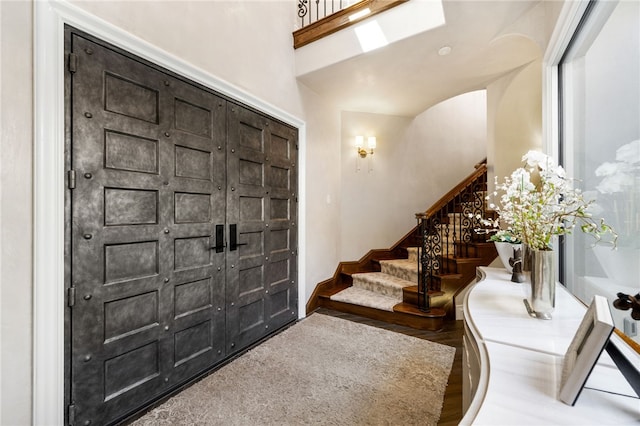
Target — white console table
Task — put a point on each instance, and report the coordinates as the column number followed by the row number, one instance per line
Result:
column 512, row 362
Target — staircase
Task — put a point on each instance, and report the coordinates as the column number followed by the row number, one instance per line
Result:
column 415, row 282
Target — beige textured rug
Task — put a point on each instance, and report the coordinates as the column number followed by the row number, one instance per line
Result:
column 322, row 371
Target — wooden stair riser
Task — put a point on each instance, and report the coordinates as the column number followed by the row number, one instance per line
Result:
column 486, row 251
column 436, row 298
column 407, row 318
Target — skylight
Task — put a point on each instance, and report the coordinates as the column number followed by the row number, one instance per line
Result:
column 370, row 36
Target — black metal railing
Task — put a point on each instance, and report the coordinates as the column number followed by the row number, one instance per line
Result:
column 446, row 232
column 310, row 11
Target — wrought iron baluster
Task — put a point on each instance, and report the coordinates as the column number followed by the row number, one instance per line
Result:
column 453, row 224
column 480, row 206
column 303, row 10
column 430, row 259
column 446, row 236
column 464, row 222
column 436, row 255
column 456, row 225
column 475, row 204
column 306, row 10
column 423, row 294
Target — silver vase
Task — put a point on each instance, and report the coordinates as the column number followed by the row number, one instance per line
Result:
column 539, row 272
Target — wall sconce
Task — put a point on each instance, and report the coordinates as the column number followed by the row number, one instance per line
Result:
column 371, row 144
column 362, row 152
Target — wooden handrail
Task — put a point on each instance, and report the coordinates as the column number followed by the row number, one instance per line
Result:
column 451, row 195
column 340, row 20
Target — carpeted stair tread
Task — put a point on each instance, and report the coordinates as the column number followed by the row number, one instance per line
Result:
column 413, row 253
column 362, row 297
column 379, row 282
column 405, row 269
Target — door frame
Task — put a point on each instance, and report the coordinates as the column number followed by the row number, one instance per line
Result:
column 49, row 287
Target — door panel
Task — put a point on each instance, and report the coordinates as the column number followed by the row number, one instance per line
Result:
column 261, row 202
column 181, row 230
column 246, row 218
column 118, row 259
column 149, row 153
column 282, row 245
column 195, row 132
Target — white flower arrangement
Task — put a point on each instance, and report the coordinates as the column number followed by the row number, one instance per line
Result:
column 540, row 202
column 619, row 191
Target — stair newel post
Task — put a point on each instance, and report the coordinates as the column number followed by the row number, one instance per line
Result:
column 429, row 259
column 423, row 290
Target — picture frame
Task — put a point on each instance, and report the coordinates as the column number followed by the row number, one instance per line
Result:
column 585, row 349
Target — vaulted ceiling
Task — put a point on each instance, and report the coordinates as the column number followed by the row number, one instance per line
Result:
column 488, row 39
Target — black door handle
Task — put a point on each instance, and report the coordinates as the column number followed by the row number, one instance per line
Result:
column 233, row 238
column 220, row 245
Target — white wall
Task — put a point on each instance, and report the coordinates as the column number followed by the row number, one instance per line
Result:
column 416, row 162
column 367, row 216
column 322, row 194
column 15, row 211
column 514, row 117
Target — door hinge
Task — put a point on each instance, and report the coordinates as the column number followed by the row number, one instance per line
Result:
column 71, row 178
column 71, row 296
column 73, row 63
column 71, row 414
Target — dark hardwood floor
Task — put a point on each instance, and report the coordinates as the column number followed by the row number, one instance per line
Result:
column 451, row 335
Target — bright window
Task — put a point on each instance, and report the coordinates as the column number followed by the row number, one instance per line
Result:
column 600, row 146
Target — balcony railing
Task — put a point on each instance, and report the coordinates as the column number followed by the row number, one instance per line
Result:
column 310, row 11
column 319, row 18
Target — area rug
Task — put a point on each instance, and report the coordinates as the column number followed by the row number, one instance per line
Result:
column 322, row 371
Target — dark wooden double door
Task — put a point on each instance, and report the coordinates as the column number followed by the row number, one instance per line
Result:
column 181, row 230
